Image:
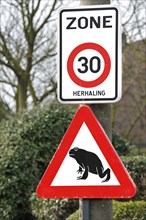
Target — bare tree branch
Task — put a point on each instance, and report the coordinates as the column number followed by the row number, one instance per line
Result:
column 46, row 19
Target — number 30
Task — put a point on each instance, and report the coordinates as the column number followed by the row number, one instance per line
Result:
column 88, row 64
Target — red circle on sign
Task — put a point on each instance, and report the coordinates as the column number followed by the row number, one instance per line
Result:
column 101, row 78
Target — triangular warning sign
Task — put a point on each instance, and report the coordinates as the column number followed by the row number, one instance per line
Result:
column 86, row 164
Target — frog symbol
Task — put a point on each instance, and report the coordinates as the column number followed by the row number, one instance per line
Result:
column 89, row 162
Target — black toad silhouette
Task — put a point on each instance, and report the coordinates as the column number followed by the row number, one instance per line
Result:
column 89, row 162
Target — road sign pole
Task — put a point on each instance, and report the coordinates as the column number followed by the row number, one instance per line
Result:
column 98, row 209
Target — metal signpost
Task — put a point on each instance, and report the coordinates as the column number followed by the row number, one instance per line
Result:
column 98, row 209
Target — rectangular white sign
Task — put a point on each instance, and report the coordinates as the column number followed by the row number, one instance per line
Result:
column 89, row 55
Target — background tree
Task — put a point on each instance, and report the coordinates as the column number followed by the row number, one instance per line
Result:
column 4, row 110
column 129, row 114
column 27, row 48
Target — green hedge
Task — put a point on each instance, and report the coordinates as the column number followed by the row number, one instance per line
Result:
column 27, row 143
column 53, row 209
column 121, row 145
column 133, row 210
column 136, row 166
column 74, row 216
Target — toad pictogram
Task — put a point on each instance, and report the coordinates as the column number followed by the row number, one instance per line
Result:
column 89, row 162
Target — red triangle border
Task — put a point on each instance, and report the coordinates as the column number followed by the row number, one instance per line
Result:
column 126, row 189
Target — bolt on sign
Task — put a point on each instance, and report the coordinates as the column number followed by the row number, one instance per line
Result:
column 89, row 55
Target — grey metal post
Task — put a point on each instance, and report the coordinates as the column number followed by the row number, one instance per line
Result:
column 98, row 209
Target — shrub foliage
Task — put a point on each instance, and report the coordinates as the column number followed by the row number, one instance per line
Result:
column 53, row 209
column 121, row 145
column 27, row 143
column 136, row 166
column 135, row 210
column 132, row 210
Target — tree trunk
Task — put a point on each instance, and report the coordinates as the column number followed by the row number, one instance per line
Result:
column 22, row 94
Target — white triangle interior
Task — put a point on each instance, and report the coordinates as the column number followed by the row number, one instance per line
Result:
column 67, row 173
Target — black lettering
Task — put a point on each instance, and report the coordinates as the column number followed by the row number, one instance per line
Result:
column 74, row 93
column 84, row 64
column 97, row 62
column 72, row 21
column 83, row 22
column 99, row 92
column 105, row 21
column 103, row 92
column 85, row 93
column 82, row 93
column 95, row 22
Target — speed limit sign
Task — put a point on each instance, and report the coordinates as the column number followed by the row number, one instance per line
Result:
column 89, row 55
